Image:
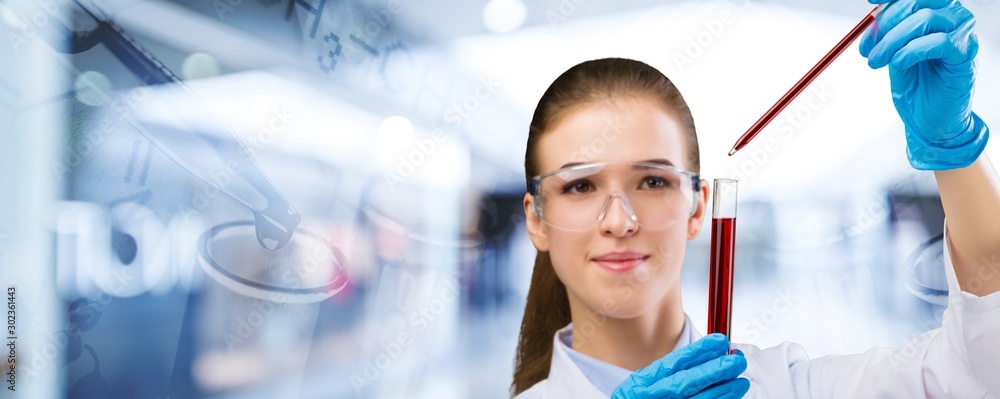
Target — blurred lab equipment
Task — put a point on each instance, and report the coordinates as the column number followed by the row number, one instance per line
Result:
column 227, row 165
column 306, row 270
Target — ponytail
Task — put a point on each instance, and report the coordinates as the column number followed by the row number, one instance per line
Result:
column 546, row 311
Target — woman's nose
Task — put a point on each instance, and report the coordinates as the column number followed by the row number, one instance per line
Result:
column 617, row 218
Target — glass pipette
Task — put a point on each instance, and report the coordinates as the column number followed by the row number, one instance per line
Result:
column 801, row 85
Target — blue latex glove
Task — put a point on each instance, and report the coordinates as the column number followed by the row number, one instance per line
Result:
column 930, row 48
column 701, row 370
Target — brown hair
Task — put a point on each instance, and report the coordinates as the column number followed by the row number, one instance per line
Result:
column 547, row 308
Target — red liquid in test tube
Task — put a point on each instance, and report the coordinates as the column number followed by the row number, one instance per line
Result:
column 720, row 274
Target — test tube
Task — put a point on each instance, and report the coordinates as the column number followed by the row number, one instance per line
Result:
column 720, row 274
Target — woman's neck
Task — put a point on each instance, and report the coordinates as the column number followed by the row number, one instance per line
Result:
column 628, row 343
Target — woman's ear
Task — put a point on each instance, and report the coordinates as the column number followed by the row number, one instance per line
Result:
column 698, row 218
column 536, row 230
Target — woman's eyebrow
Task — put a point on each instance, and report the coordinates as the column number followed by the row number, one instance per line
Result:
column 660, row 161
column 571, row 164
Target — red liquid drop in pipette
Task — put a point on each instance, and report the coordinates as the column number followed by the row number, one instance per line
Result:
column 720, row 275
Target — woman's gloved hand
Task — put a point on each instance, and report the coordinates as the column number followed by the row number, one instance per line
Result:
column 930, row 48
column 701, row 370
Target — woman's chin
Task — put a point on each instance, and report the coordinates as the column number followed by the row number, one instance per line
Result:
column 621, row 307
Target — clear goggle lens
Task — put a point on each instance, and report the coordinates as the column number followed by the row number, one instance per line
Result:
column 653, row 195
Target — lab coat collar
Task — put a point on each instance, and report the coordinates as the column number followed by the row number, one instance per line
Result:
column 567, row 379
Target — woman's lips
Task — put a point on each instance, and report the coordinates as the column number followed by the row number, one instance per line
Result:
column 620, row 262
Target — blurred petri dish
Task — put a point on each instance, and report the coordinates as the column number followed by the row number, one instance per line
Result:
column 927, row 279
column 308, row 269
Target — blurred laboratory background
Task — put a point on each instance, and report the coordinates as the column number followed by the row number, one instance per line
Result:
column 151, row 149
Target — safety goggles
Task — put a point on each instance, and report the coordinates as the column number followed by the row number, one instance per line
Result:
column 577, row 197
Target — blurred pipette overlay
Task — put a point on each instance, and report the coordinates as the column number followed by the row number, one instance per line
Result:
column 275, row 218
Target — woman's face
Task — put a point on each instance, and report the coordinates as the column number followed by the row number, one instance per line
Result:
column 625, row 130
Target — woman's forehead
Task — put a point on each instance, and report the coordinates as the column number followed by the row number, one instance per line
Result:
column 623, row 131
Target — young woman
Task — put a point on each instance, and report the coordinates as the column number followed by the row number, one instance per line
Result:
column 614, row 195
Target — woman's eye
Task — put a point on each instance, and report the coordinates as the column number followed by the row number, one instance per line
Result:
column 653, row 182
column 578, row 187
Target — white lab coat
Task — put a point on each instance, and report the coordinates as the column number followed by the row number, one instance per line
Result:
column 961, row 359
